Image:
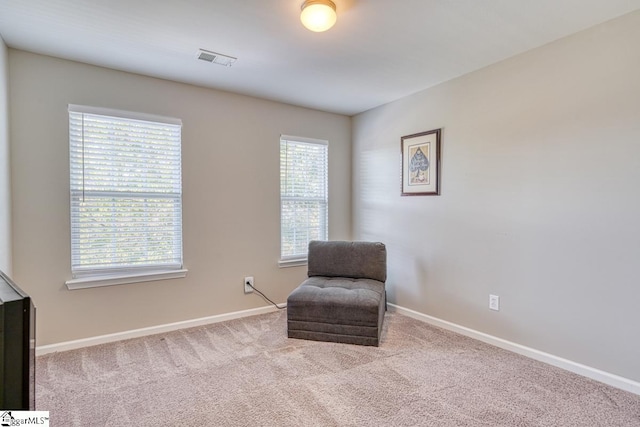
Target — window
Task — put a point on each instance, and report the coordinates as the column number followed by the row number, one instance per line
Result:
column 126, row 197
column 303, row 196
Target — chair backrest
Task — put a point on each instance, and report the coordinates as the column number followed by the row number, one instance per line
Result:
column 358, row 260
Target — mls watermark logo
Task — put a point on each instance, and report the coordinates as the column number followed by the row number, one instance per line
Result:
column 24, row 418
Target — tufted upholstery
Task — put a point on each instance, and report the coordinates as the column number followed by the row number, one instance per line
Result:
column 329, row 306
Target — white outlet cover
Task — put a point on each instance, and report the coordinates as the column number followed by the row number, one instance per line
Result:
column 494, row 302
column 248, row 289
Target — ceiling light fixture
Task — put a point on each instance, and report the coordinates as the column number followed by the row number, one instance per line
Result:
column 318, row 15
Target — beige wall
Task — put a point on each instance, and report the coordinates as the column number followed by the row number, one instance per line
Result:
column 231, row 195
column 5, row 182
column 540, row 201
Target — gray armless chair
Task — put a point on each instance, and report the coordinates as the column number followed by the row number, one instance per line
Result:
column 343, row 299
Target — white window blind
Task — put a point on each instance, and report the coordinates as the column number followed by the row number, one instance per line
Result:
column 126, row 192
column 303, row 195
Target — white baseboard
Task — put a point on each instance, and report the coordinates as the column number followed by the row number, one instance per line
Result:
column 578, row 368
column 152, row 330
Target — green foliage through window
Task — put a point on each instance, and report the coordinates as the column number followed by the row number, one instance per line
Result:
column 303, row 195
column 126, row 193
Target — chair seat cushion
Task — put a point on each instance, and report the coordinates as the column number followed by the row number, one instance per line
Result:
column 336, row 300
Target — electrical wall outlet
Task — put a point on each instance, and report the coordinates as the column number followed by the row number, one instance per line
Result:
column 248, row 284
column 494, row 302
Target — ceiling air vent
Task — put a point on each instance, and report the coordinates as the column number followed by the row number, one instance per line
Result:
column 216, row 58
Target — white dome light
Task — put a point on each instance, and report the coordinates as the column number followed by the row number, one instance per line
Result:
column 318, row 15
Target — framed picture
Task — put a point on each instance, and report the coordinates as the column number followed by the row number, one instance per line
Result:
column 421, row 163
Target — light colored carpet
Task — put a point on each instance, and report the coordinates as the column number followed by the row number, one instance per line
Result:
column 247, row 373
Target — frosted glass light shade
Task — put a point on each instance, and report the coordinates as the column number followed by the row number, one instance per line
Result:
column 318, row 15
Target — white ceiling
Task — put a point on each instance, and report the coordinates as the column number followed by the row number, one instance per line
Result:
column 378, row 51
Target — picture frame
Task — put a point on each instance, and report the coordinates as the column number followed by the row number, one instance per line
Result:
column 421, row 156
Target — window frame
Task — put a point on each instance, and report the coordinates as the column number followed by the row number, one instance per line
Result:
column 88, row 277
column 301, row 259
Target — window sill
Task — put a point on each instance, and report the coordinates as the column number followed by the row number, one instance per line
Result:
column 123, row 279
column 292, row 262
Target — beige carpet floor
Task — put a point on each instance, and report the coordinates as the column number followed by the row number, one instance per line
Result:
column 247, row 373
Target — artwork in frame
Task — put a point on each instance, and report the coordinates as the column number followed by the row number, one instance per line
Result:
column 421, row 163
